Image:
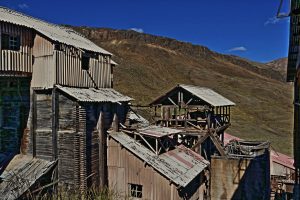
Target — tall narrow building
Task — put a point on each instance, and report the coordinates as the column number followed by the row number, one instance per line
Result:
column 293, row 75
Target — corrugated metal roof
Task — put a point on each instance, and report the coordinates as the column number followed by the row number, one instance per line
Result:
column 54, row 32
column 138, row 118
column 22, row 172
column 180, row 165
column 95, row 95
column 158, row 131
column 208, row 95
column 113, row 63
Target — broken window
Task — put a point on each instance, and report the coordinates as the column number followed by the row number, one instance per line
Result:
column 10, row 42
column 135, row 190
column 85, row 62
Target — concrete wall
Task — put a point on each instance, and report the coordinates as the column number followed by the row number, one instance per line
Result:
column 240, row 178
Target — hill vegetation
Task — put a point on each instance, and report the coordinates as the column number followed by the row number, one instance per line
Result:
column 150, row 65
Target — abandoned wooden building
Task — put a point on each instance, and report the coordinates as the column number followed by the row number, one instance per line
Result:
column 146, row 164
column 56, row 98
column 201, row 112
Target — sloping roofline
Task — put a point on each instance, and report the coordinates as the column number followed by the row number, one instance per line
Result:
column 180, row 165
column 53, row 32
column 204, row 93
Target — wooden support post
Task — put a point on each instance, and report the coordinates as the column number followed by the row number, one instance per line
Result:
column 55, row 107
column 175, row 114
column 115, row 124
column 54, row 123
column 185, row 115
column 102, row 151
column 156, row 146
column 33, row 123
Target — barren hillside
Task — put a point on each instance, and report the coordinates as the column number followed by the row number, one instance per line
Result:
column 149, row 65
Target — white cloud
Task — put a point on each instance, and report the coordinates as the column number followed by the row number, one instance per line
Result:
column 23, row 6
column 241, row 48
column 272, row 20
column 137, row 30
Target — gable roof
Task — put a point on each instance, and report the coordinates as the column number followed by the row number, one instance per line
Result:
column 94, row 95
column 52, row 31
column 206, row 94
column 180, row 165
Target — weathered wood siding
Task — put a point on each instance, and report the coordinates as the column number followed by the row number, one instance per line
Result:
column 14, row 112
column 72, row 144
column 125, row 168
column 43, row 126
column 240, row 178
column 44, row 67
column 70, row 72
column 17, row 61
column 63, row 66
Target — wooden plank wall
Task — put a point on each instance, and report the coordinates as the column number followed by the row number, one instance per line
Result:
column 43, row 68
column 72, row 144
column 43, row 126
column 125, row 168
column 20, row 61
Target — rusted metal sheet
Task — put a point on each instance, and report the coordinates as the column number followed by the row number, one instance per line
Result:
column 180, row 165
column 158, row 131
column 52, row 31
column 94, row 95
column 22, row 172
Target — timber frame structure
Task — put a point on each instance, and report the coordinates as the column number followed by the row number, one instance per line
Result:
column 200, row 112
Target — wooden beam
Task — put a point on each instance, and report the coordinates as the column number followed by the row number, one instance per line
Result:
column 172, row 101
column 55, row 122
column 189, row 101
column 201, row 140
column 146, row 142
column 33, row 123
column 102, row 142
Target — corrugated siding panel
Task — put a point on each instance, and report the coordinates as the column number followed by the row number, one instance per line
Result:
column 43, row 68
column 18, row 61
column 125, row 168
column 54, row 32
column 70, row 73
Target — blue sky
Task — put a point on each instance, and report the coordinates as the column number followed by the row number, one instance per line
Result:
column 244, row 28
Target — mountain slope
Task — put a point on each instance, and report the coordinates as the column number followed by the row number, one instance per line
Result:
column 150, row 65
